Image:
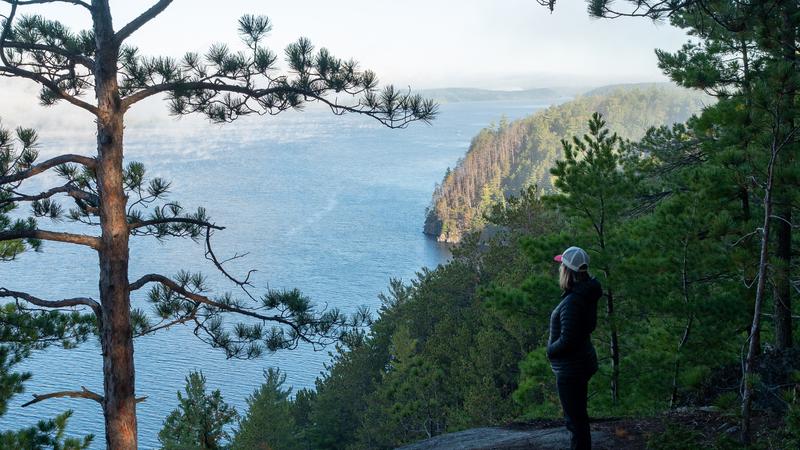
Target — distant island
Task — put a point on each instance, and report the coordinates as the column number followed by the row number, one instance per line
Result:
column 503, row 159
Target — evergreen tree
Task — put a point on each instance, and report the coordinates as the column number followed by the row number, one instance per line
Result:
column 594, row 193
column 269, row 423
column 340, row 404
column 200, row 421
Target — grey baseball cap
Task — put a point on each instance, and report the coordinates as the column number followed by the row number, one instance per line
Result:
column 574, row 258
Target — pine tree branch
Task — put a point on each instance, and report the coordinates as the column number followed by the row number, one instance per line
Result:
column 66, row 303
column 644, row 8
column 50, row 163
column 41, row 2
column 163, row 326
column 167, row 282
column 143, row 18
column 149, row 91
column 80, row 59
column 49, row 84
column 70, row 238
column 68, row 189
column 8, row 68
column 83, row 393
column 218, row 86
column 151, row 222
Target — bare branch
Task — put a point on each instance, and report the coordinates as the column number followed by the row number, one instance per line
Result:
column 794, row 317
column 138, row 22
column 79, row 239
column 219, row 264
column 83, row 393
column 66, row 303
column 50, row 163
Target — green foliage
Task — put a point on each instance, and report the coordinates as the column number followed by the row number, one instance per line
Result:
column 537, row 388
column 201, row 419
column 18, row 152
column 47, row 434
column 675, row 437
column 21, row 332
column 269, row 422
column 729, row 404
column 791, row 432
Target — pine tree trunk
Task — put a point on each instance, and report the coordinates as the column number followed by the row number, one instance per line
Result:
column 614, row 348
column 755, row 329
column 677, row 367
column 116, row 335
column 687, row 329
column 119, row 406
column 782, row 288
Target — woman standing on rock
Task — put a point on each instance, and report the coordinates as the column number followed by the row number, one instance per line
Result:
column 569, row 349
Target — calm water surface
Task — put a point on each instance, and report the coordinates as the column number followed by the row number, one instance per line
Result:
column 331, row 205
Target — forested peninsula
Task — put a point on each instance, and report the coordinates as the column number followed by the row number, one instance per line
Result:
column 504, row 158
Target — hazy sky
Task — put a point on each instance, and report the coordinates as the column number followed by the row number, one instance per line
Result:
column 501, row 44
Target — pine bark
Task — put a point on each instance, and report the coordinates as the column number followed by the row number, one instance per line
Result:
column 116, row 335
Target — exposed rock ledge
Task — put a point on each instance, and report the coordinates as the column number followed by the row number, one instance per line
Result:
column 507, row 439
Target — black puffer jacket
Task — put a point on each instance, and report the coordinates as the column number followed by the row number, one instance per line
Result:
column 570, row 348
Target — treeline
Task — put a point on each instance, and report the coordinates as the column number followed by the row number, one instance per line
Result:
column 505, row 158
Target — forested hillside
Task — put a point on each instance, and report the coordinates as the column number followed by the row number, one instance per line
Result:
column 503, row 159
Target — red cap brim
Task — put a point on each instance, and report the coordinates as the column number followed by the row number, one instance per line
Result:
column 557, row 258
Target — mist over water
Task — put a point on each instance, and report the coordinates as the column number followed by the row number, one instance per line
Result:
column 331, row 205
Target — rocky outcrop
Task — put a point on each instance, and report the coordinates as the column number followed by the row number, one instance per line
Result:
column 507, row 439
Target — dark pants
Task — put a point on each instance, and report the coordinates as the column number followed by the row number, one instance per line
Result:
column 573, row 393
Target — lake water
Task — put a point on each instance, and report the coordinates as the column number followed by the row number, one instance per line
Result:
column 331, row 205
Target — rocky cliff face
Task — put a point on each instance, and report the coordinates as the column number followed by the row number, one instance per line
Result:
column 505, row 159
